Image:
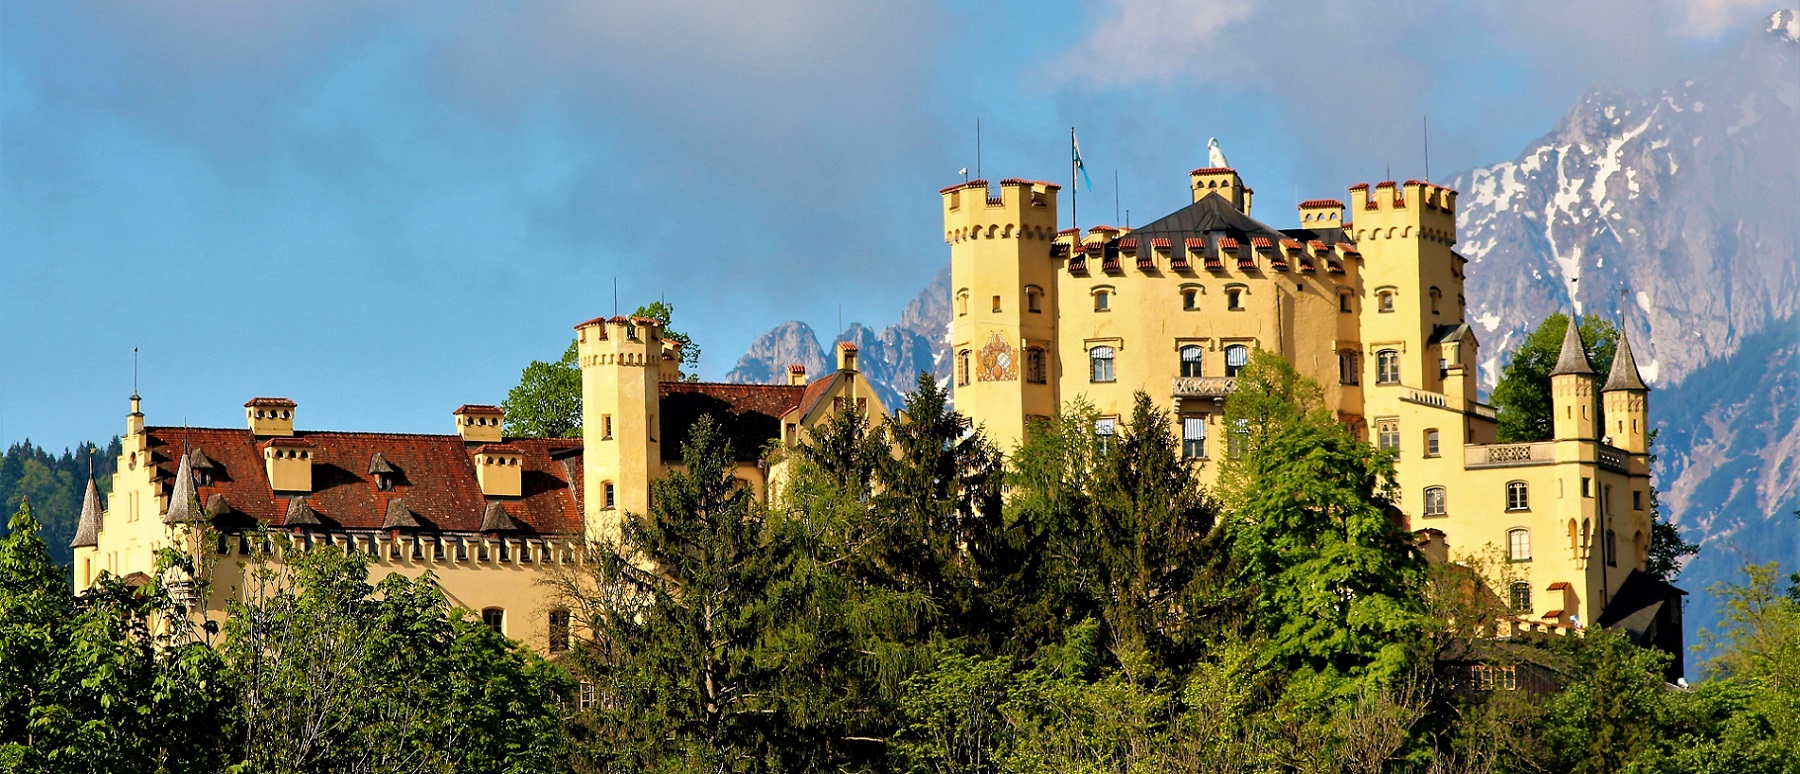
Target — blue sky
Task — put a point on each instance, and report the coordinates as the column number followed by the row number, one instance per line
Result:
column 384, row 210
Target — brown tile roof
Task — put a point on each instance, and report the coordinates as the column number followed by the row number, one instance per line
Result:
column 435, row 474
column 1212, row 171
column 1160, row 243
column 750, row 414
column 1312, row 204
column 276, row 402
column 476, row 408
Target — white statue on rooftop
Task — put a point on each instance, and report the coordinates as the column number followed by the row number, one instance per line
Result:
column 1215, row 157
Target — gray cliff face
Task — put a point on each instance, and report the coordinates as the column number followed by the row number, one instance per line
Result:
column 891, row 358
column 1677, row 214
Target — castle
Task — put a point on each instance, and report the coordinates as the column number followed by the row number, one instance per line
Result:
column 1370, row 307
column 1365, row 300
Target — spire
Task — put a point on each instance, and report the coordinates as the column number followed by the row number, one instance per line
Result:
column 181, row 500
column 87, row 531
column 1624, row 374
column 1573, row 359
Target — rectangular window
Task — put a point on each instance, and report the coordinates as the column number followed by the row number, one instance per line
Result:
column 1587, row 487
column 996, row 304
column 495, row 618
column 559, row 631
column 1193, row 438
column 1104, row 429
column 606, row 495
column 1035, row 372
column 1387, row 435
column 1237, row 439
column 1349, row 371
column 586, row 697
column 1518, row 545
column 1431, row 442
column 605, row 427
column 1517, row 496
column 1637, row 499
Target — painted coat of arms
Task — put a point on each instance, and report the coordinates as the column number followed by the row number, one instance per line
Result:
column 999, row 361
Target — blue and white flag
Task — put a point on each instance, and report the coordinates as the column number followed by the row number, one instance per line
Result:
column 1075, row 161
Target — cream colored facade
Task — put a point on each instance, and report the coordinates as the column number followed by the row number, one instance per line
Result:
column 1369, row 303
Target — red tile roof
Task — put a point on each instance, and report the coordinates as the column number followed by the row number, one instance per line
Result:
column 476, row 408
column 1360, row 187
column 1129, row 244
column 846, row 346
column 1212, row 171
column 749, row 414
column 1313, row 204
column 1290, row 244
column 1260, row 243
column 436, row 476
column 1195, row 243
column 1159, row 243
column 276, row 402
column 1228, row 243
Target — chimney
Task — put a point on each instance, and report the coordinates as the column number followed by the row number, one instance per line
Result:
column 846, row 356
column 797, row 375
column 288, row 461
column 1321, row 213
column 478, row 423
column 497, row 468
column 270, row 417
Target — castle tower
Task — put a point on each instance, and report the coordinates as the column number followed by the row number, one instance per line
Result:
column 87, row 536
column 1626, row 400
column 1003, row 323
column 1572, row 389
column 621, row 360
column 1412, row 280
column 1221, row 181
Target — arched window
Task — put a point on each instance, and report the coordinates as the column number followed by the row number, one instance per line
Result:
column 1431, row 442
column 1384, row 300
column 606, row 495
column 1193, row 438
column 962, row 302
column 1237, row 438
column 1349, row 369
column 1518, row 497
column 1100, row 359
column 1035, row 370
column 1236, row 357
column 962, row 368
column 1436, row 296
column 1190, row 299
column 1034, row 299
column 1387, row 435
column 1434, row 501
column 1234, row 299
column 1387, row 367
column 1104, row 429
column 559, row 631
column 1102, row 300
column 495, row 618
column 1190, row 361
column 1521, row 597
column 1518, row 545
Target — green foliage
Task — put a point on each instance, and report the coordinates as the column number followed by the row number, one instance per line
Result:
column 547, row 401
column 663, row 312
column 55, row 485
column 1338, row 584
column 1522, row 396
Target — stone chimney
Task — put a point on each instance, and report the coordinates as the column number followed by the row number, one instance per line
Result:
column 478, row 423
column 498, row 467
column 270, row 417
column 846, row 356
column 288, row 461
column 797, row 375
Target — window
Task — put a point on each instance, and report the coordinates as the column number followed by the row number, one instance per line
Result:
column 605, row 427
column 1035, row 372
column 1190, row 361
column 962, row 302
column 559, row 631
column 1384, row 301
column 1518, row 545
column 606, row 495
column 1102, row 300
column 1234, row 299
column 1034, row 299
column 1104, row 429
column 1193, row 438
column 1436, row 296
column 495, row 618
column 1518, row 496
column 962, row 368
column 1190, row 299
column 1344, row 301
column 1387, row 435
column 1521, row 597
column 1610, row 548
column 1236, row 357
column 1387, row 367
column 1637, row 499
column 1434, row 501
column 1101, row 360
column 587, row 697
column 1349, row 370
column 1237, row 440
column 1587, row 487
column 1431, row 442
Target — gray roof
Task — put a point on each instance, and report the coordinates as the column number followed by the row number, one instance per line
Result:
column 1443, row 333
column 1624, row 374
column 496, row 519
column 181, row 501
column 87, row 531
column 400, row 517
column 1573, row 359
column 379, row 464
column 299, row 514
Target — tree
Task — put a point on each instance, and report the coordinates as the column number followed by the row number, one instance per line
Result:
column 336, row 674
column 546, row 403
column 1338, row 584
column 1522, row 396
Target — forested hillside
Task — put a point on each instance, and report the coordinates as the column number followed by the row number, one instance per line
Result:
column 54, row 484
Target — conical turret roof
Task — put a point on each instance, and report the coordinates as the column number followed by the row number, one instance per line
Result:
column 181, row 499
column 1624, row 374
column 1573, row 359
column 87, row 531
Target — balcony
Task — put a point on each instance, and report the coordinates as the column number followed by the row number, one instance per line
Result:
column 1613, row 458
column 1204, row 386
column 1509, row 455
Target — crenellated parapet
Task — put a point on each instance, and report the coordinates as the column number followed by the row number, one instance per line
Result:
column 1025, row 209
column 1411, row 210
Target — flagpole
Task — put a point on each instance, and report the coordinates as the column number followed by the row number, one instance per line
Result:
column 1074, row 190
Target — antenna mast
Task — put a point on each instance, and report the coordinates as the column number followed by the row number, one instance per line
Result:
column 1426, row 121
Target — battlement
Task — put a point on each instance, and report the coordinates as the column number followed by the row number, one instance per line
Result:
column 619, row 340
column 1025, row 209
column 1321, row 213
column 1223, row 181
column 1411, row 209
